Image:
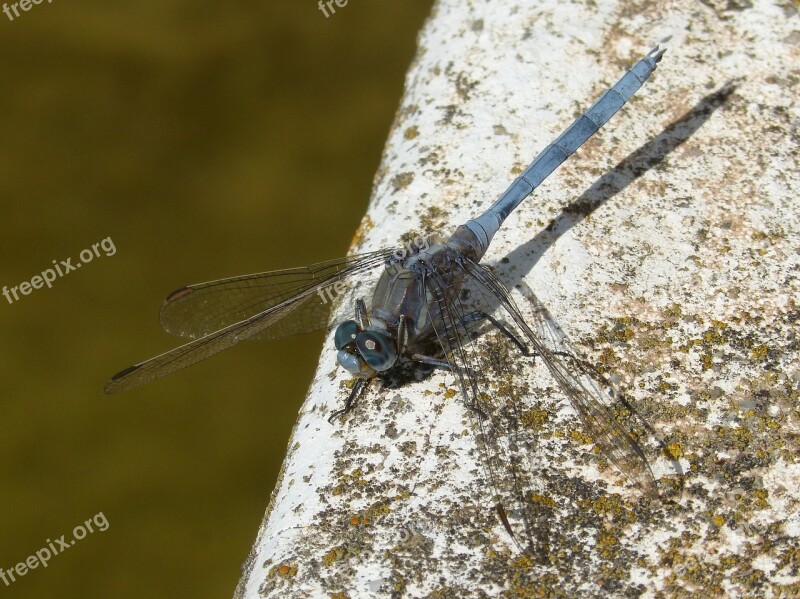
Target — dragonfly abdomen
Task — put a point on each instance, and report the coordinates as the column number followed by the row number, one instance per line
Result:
column 486, row 225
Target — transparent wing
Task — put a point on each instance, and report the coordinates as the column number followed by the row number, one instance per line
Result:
column 198, row 310
column 495, row 414
column 300, row 303
column 581, row 388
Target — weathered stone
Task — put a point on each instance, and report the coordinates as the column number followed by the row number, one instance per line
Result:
column 667, row 248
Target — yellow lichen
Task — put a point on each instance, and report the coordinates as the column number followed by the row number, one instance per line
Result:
column 411, row 132
column 675, row 450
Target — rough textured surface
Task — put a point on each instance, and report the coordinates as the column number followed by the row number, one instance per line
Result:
column 667, row 249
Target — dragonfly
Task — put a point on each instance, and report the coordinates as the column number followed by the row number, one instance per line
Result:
column 428, row 307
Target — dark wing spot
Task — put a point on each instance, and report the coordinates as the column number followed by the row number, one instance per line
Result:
column 177, row 294
column 127, row 371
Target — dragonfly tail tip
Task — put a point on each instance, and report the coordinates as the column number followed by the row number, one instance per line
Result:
column 656, row 53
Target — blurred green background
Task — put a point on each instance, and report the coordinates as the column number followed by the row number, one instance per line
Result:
column 207, row 140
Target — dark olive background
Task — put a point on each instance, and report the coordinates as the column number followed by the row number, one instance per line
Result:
column 207, row 139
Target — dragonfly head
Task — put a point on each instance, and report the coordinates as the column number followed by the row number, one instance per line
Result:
column 363, row 353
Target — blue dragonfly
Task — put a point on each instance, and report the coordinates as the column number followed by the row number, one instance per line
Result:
column 429, row 306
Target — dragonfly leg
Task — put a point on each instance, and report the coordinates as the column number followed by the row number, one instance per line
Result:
column 402, row 335
column 477, row 316
column 355, row 393
column 362, row 317
column 432, row 361
column 422, row 359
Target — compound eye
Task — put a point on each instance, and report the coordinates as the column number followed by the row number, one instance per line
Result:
column 352, row 363
column 346, row 333
column 377, row 350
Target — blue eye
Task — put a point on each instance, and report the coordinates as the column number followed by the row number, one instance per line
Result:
column 350, row 362
column 346, row 334
column 377, row 350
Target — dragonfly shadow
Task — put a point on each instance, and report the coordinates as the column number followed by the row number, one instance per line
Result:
column 633, row 166
column 404, row 372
